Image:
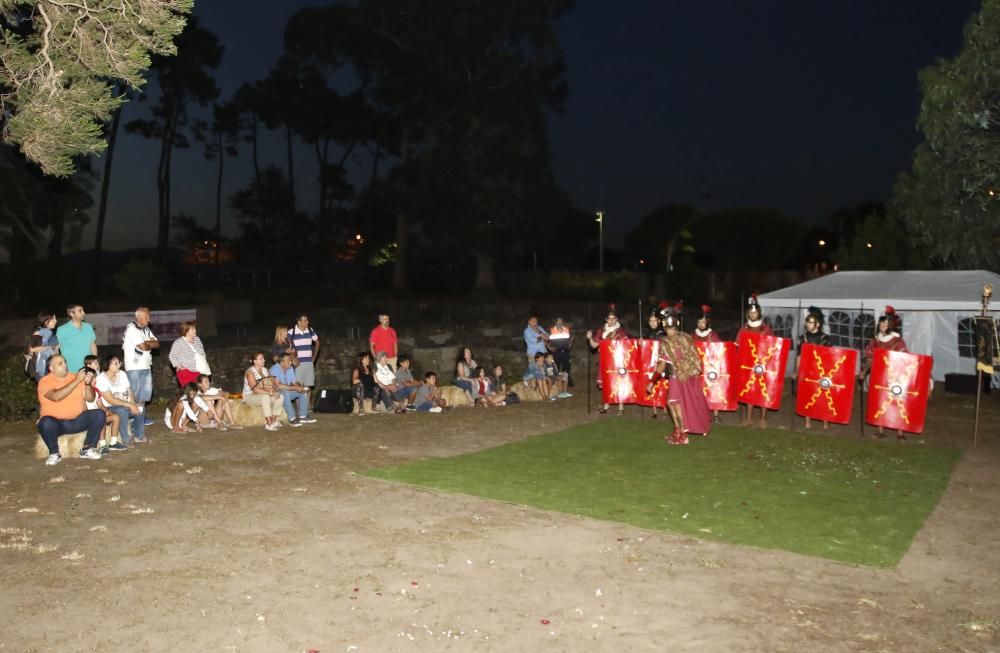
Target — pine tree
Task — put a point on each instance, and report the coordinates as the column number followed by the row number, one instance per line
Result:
column 60, row 62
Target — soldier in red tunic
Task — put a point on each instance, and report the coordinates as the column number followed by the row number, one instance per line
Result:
column 754, row 324
column 813, row 335
column 886, row 337
column 703, row 328
column 612, row 330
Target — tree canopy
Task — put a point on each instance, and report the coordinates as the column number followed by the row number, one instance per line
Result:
column 60, row 63
column 951, row 197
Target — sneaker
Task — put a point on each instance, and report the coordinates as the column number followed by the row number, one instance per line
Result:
column 140, row 440
column 294, row 423
column 90, row 453
column 53, row 459
column 117, row 446
column 306, row 420
column 148, row 422
column 104, row 451
column 435, row 409
column 166, row 418
column 270, row 427
column 552, row 398
column 564, row 395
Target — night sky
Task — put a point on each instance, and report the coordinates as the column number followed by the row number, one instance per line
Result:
column 803, row 106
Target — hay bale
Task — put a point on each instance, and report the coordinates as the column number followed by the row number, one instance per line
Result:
column 454, row 395
column 525, row 392
column 69, row 445
column 245, row 415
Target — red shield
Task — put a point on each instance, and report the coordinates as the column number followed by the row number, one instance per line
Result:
column 621, row 377
column 760, row 369
column 718, row 360
column 898, row 389
column 649, row 357
column 826, row 383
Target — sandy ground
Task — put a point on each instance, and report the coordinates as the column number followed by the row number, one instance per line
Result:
column 250, row 541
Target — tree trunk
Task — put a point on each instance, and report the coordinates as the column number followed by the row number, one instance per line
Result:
column 218, row 204
column 486, row 278
column 399, row 261
column 253, row 141
column 102, row 209
column 291, row 165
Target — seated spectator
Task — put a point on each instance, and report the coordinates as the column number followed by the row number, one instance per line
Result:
column 292, row 392
column 42, row 346
column 185, row 416
column 363, row 381
column 427, row 398
column 534, row 377
column 385, row 379
column 499, row 382
column 259, row 390
column 404, row 374
column 488, row 396
column 116, row 395
column 282, row 345
column 109, row 438
column 557, row 380
column 465, row 372
column 216, row 404
column 61, row 397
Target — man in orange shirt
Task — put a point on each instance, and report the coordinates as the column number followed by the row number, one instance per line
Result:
column 62, row 397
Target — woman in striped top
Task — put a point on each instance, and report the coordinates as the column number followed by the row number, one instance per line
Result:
column 187, row 355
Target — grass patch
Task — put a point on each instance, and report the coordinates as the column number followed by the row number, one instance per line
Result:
column 853, row 501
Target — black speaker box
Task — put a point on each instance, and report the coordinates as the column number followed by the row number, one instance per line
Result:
column 965, row 384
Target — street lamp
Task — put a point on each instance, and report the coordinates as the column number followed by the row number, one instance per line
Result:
column 600, row 235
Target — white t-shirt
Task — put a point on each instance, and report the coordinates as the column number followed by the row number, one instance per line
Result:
column 384, row 374
column 134, row 358
column 119, row 388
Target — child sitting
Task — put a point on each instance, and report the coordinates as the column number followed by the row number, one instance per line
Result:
column 109, row 439
column 557, row 380
column 534, row 377
column 186, row 411
column 488, row 396
column 215, row 405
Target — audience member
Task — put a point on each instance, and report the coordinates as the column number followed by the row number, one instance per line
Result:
column 383, row 338
column 557, row 380
column 185, row 417
column 499, row 382
column 465, row 372
column 561, row 345
column 138, row 344
column 187, row 355
column 305, row 341
column 116, row 394
column 283, row 345
column 488, row 396
column 363, row 381
column 427, row 398
column 385, row 379
column 61, row 397
column 217, row 404
column 292, row 392
column 535, row 377
column 109, row 437
column 259, row 390
column 76, row 337
column 42, row 346
column 405, row 381
column 535, row 339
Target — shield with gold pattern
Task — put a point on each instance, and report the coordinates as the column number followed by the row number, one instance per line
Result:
column 621, row 376
column 898, row 390
column 649, row 358
column 760, row 369
column 718, row 361
column 826, row 381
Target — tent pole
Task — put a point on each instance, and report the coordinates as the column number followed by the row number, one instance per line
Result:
column 979, row 396
column 861, row 412
column 642, row 409
column 795, row 378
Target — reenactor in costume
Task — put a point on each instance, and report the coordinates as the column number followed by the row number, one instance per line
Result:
column 754, row 324
column 813, row 335
column 611, row 330
column 685, row 396
column 886, row 337
column 703, row 327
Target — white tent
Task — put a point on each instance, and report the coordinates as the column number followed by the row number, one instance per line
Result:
column 935, row 308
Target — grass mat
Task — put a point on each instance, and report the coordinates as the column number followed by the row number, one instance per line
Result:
column 854, row 501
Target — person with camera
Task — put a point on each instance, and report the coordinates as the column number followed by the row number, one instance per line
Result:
column 62, row 398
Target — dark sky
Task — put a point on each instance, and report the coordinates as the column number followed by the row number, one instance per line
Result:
column 803, row 106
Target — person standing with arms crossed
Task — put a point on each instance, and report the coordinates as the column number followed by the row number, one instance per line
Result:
column 383, row 338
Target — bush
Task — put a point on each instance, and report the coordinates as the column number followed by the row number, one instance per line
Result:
column 141, row 279
column 18, row 395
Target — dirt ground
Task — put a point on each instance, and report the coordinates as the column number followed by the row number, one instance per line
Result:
column 253, row 541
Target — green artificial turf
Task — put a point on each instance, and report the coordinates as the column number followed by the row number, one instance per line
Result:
column 849, row 500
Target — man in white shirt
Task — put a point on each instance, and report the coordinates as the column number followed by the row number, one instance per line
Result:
column 138, row 344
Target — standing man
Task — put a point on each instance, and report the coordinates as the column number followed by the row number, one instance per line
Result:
column 62, row 407
column 561, row 344
column 305, row 341
column 383, row 338
column 76, row 338
column 138, row 344
column 535, row 339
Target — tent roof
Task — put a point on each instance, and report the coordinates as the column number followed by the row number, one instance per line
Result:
column 906, row 290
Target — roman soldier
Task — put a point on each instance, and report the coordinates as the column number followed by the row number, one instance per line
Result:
column 703, row 327
column 813, row 335
column 685, row 396
column 754, row 324
column 654, row 323
column 611, row 330
column 886, row 337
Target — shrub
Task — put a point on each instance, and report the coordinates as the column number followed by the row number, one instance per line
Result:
column 18, row 396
